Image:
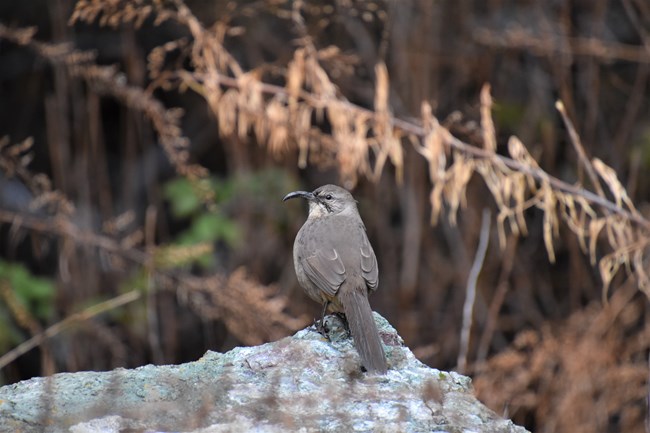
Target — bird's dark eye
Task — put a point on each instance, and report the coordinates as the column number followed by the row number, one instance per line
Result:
column 328, row 196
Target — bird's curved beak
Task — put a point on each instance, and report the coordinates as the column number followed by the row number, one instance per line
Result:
column 302, row 194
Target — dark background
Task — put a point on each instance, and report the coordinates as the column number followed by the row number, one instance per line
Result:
column 544, row 349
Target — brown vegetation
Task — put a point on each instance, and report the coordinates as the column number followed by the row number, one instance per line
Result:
column 374, row 92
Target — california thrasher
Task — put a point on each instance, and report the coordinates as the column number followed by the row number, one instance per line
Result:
column 337, row 267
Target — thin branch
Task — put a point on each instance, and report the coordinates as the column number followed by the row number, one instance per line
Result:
column 579, row 148
column 63, row 227
column 468, row 308
column 66, row 323
column 497, row 300
column 467, row 149
column 24, row 37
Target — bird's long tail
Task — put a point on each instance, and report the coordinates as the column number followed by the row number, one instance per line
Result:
column 363, row 328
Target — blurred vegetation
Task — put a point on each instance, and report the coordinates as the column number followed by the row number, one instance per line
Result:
column 145, row 148
column 23, row 295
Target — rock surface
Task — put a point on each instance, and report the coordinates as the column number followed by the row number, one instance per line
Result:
column 301, row 383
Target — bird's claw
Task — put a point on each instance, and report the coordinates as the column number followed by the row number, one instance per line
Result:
column 346, row 325
column 322, row 328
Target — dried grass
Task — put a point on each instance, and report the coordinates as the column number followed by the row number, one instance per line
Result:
column 295, row 107
column 587, row 374
column 293, row 116
column 254, row 313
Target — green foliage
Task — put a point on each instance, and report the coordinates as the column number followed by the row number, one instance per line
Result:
column 184, row 196
column 211, row 227
column 181, row 196
column 34, row 295
column 508, row 115
column 259, row 192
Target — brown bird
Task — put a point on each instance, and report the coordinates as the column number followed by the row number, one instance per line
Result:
column 337, row 267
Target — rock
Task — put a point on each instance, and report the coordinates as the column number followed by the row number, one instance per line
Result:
column 302, row 383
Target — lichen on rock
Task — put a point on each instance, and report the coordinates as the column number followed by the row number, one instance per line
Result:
column 304, row 382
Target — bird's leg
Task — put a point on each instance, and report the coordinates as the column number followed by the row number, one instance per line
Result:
column 320, row 324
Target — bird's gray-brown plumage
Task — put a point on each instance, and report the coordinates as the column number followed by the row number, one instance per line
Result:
column 336, row 266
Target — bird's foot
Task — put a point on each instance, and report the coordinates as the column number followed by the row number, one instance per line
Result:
column 322, row 328
column 344, row 319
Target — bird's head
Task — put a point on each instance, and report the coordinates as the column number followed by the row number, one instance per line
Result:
column 327, row 200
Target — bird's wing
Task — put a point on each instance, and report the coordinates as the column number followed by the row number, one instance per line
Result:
column 326, row 270
column 369, row 268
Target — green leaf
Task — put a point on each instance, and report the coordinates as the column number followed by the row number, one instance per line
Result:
column 182, row 197
column 212, row 227
column 33, row 292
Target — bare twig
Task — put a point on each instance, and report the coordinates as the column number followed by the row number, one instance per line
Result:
column 61, row 226
column 497, row 300
column 467, row 149
column 580, row 150
column 153, row 333
column 470, row 296
column 66, row 323
column 318, row 102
